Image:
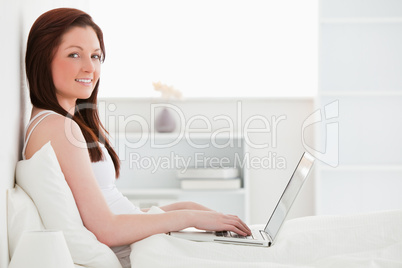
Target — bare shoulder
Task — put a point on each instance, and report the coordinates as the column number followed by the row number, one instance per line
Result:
column 61, row 131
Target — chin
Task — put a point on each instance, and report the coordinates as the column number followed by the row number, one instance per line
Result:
column 83, row 98
column 86, row 95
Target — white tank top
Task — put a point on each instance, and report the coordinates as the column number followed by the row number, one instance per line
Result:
column 104, row 173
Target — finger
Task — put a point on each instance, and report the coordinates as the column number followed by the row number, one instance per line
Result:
column 247, row 228
column 237, row 224
column 242, row 226
column 236, row 230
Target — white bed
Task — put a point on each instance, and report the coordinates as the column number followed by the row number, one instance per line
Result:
column 367, row 240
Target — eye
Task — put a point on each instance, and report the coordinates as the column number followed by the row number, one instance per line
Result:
column 97, row 56
column 73, row 55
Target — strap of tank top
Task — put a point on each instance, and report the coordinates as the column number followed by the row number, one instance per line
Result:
column 47, row 113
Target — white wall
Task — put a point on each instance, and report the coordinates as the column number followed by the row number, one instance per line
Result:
column 208, row 48
column 361, row 66
column 10, row 110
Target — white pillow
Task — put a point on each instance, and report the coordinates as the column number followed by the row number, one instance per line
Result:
column 22, row 216
column 42, row 179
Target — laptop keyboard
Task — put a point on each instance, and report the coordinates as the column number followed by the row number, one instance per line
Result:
column 232, row 234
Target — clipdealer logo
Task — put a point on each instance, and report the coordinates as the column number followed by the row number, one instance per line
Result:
column 328, row 118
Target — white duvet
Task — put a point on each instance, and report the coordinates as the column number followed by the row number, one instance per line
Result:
column 367, row 240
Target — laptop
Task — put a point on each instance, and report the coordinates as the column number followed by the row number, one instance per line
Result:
column 267, row 236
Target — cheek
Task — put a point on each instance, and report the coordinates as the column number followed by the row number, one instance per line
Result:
column 61, row 72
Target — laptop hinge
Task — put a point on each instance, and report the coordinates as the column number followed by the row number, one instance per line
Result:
column 266, row 235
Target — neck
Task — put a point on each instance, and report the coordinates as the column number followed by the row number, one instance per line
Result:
column 68, row 105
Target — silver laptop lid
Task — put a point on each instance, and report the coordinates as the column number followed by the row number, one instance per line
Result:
column 289, row 195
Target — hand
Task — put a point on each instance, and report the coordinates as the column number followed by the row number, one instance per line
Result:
column 215, row 221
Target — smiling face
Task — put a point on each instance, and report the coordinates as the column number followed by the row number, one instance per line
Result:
column 76, row 66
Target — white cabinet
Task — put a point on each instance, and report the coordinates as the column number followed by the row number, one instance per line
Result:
column 360, row 66
column 150, row 163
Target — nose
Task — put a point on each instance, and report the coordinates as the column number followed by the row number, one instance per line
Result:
column 88, row 65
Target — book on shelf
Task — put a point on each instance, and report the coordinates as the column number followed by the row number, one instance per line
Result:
column 211, row 184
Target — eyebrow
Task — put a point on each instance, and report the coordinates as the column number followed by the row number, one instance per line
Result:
column 73, row 46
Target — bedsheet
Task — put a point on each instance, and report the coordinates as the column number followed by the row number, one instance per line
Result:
column 364, row 240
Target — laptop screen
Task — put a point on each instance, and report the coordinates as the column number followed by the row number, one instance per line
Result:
column 289, row 195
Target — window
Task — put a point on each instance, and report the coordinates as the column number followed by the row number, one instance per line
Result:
column 209, row 48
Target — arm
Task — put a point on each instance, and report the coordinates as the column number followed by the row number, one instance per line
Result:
column 110, row 229
column 182, row 205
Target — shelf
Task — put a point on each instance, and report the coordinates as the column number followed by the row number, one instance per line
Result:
column 158, row 100
column 367, row 167
column 176, row 192
column 360, row 20
column 154, row 158
column 360, row 93
column 175, row 135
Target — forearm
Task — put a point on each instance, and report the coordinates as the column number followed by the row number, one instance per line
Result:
column 127, row 229
column 184, row 205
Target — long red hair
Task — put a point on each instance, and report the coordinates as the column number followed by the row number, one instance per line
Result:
column 43, row 41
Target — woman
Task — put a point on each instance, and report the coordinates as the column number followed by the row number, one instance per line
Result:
column 65, row 50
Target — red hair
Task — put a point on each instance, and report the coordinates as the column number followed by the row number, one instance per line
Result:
column 43, row 41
